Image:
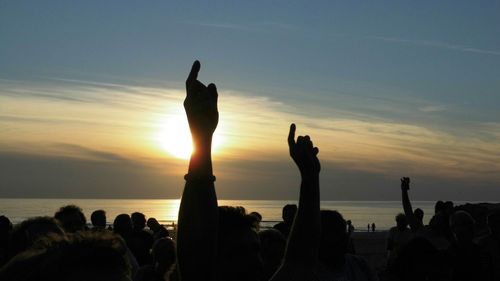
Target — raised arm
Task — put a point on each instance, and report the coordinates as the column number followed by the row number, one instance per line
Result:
column 303, row 243
column 414, row 223
column 198, row 215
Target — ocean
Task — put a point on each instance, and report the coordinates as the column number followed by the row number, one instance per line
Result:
column 361, row 213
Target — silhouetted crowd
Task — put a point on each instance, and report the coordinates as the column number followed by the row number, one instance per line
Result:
column 225, row 243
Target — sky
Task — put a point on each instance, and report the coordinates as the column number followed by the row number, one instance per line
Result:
column 91, row 97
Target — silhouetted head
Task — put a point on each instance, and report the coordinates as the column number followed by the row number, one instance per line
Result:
column 401, row 221
column 448, row 208
column 98, row 219
column 25, row 234
column 288, row 213
column 163, row 253
column 462, row 226
column 5, row 227
column 415, row 260
column 494, row 223
column 238, row 255
column 438, row 207
column 123, row 225
column 273, row 244
column 81, row 256
column 72, row 218
column 138, row 220
column 153, row 224
column 256, row 218
column 419, row 214
column 334, row 238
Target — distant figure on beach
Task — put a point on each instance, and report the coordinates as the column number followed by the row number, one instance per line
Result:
column 288, row 214
column 98, row 219
column 373, row 227
column 350, row 227
column 368, row 227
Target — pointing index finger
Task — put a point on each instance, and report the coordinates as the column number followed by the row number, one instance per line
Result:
column 291, row 135
column 193, row 74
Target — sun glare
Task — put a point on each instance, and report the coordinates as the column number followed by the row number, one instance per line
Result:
column 175, row 138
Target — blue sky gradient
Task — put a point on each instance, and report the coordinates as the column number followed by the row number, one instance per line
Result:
column 421, row 75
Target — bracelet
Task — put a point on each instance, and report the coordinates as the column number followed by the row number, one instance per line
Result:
column 199, row 179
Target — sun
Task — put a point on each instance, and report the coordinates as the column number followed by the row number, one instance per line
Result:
column 174, row 137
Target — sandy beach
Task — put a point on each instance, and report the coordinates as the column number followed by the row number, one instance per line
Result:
column 372, row 246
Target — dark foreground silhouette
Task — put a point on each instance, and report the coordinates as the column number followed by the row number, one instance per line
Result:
column 226, row 243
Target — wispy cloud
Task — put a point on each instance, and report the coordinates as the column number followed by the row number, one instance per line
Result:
column 251, row 27
column 122, row 120
column 437, row 44
column 433, row 108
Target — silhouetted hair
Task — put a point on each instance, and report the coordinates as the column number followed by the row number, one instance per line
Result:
column 256, row 218
column 233, row 219
column 25, row 234
column 419, row 214
column 401, row 221
column 122, row 225
column 152, row 223
column 81, row 256
column 257, row 215
column 98, row 218
column 138, row 220
column 72, row 218
column 438, row 207
column 288, row 212
column 5, row 224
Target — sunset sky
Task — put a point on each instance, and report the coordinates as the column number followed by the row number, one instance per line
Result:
column 91, row 96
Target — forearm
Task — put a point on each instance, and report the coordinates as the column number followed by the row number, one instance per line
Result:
column 408, row 209
column 200, row 164
column 198, row 219
column 406, row 203
column 307, row 223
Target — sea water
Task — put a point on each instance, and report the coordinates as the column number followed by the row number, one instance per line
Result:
column 361, row 213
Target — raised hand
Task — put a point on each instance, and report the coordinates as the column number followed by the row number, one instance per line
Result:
column 303, row 153
column 200, row 105
column 405, row 183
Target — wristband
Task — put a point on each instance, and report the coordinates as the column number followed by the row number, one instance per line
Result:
column 199, row 179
